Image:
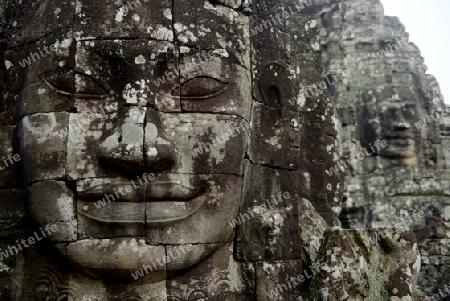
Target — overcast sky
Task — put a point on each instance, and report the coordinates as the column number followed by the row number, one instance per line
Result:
column 428, row 25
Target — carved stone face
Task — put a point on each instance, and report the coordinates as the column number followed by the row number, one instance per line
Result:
column 130, row 158
column 391, row 118
column 396, row 129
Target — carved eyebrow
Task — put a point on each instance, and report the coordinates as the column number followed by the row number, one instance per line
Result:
column 200, row 87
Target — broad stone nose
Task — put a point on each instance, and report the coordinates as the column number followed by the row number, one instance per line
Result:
column 400, row 124
column 124, row 148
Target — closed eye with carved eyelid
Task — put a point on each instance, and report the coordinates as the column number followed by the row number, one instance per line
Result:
column 200, row 87
column 64, row 84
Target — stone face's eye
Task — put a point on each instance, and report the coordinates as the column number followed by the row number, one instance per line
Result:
column 79, row 84
column 61, row 82
column 200, row 87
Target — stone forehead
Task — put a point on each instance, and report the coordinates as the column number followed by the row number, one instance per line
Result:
column 198, row 24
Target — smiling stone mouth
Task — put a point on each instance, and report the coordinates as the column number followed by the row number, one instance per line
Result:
column 154, row 203
column 130, row 192
column 150, row 213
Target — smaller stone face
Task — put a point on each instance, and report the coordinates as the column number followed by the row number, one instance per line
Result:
column 390, row 120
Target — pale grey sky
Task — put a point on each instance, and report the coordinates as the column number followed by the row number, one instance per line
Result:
column 428, row 25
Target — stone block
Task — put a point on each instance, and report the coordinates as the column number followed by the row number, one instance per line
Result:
column 124, row 19
column 52, row 202
column 276, row 137
column 42, row 139
column 268, row 226
column 273, row 284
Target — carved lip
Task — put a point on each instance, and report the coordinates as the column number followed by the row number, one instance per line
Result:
column 153, row 192
column 407, row 134
column 400, row 142
column 155, row 203
column 144, row 213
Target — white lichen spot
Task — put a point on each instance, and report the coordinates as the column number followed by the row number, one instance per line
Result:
column 275, row 140
column 152, row 152
column 41, row 91
column 160, row 33
column 179, row 27
column 136, row 95
column 136, row 17
column 315, row 46
column 139, row 60
column 66, row 43
column 301, row 100
column 151, row 131
column 78, row 7
column 120, row 14
column 313, row 23
column 221, row 52
column 268, row 268
column 278, row 222
column 77, row 35
column 184, row 49
column 8, row 64
column 168, row 13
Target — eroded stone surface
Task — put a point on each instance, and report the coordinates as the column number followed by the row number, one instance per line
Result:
column 157, row 124
column 366, row 264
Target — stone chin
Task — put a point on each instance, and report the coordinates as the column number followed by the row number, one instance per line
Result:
column 131, row 259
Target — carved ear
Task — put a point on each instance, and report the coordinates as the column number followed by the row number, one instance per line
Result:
column 274, row 85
